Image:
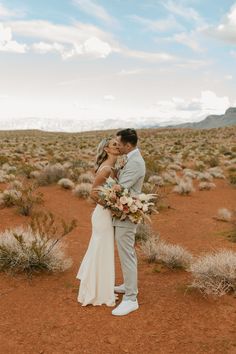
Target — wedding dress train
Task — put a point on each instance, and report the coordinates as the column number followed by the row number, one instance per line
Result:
column 97, row 270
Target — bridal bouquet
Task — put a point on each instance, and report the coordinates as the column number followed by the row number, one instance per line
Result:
column 122, row 205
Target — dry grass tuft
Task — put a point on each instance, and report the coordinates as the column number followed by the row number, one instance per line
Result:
column 66, row 183
column 173, row 256
column 215, row 274
column 82, row 190
column 35, row 248
column 184, row 186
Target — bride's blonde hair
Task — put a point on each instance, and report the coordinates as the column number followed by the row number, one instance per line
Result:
column 101, row 153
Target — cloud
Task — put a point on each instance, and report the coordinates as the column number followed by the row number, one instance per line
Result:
column 188, row 13
column 109, row 98
column 69, row 41
column 79, row 39
column 165, row 24
column 8, row 13
column 226, row 30
column 95, row 10
column 187, row 39
column 194, row 109
column 92, row 47
column 7, row 44
column 97, row 47
column 192, row 63
column 148, row 56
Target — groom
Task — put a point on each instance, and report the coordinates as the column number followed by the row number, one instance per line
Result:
column 131, row 177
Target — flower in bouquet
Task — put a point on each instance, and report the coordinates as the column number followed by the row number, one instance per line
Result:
column 123, row 205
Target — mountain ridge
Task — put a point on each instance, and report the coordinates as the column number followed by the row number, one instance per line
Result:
column 72, row 125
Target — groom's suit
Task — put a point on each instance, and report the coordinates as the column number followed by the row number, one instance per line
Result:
column 131, row 177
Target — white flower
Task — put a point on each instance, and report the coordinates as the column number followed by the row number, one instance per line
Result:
column 143, row 197
column 123, row 199
column 139, row 203
column 145, row 207
column 133, row 208
column 130, row 201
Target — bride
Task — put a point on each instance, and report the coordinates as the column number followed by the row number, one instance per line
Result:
column 97, row 270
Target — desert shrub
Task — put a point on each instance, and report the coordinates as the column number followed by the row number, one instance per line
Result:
column 66, row 183
column 213, row 161
column 149, row 248
column 82, row 190
column 189, row 173
column 156, row 180
column 26, row 170
column 34, row 174
column 51, row 174
column 35, row 248
column 199, row 166
column 224, row 214
column 16, row 184
column 173, row 256
column 232, row 169
column 143, row 232
column 148, row 188
column 204, row 176
column 232, row 178
column 216, row 172
column 206, row 186
column 170, row 177
column 9, row 197
column 9, row 177
column 184, row 187
column 152, row 166
column 215, row 273
column 87, row 177
column 175, row 167
column 28, row 199
column 3, row 159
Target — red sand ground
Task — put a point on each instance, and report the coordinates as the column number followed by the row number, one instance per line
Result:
column 42, row 315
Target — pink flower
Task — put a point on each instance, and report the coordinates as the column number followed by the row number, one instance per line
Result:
column 116, row 188
column 119, row 206
column 126, row 209
column 112, row 197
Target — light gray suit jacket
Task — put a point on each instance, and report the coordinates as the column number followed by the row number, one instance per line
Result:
column 131, row 177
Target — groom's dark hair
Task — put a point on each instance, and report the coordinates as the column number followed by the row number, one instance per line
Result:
column 128, row 136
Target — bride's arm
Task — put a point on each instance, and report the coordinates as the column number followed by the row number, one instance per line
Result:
column 100, row 179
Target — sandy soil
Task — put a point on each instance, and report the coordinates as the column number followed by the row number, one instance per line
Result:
column 42, row 315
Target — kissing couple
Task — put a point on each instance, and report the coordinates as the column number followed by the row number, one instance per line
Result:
column 97, row 270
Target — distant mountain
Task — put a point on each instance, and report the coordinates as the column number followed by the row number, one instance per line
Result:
column 73, row 125
column 212, row 121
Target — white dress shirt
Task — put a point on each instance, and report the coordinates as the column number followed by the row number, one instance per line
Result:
column 131, row 153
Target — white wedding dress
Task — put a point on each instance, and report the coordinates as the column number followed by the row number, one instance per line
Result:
column 97, row 270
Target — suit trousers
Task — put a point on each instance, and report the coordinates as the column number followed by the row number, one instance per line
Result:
column 125, row 240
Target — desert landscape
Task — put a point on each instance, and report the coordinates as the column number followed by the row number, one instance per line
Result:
column 186, row 255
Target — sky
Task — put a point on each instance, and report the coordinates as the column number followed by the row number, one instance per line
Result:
column 117, row 59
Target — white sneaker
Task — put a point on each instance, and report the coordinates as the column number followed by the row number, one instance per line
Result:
column 120, row 289
column 125, row 307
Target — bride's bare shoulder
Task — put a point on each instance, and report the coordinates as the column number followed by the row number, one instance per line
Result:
column 104, row 167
